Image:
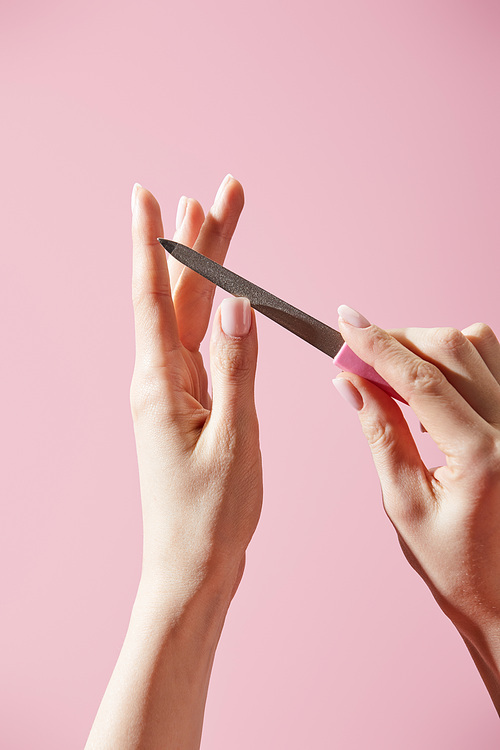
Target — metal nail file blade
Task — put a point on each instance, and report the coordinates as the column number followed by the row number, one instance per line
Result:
column 316, row 333
column 300, row 323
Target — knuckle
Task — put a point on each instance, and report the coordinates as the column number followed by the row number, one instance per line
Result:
column 204, row 292
column 379, row 340
column 380, row 435
column 222, row 231
column 150, row 291
column 448, row 339
column 424, row 377
column 224, row 234
column 232, row 360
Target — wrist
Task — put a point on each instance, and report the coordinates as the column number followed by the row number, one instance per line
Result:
column 193, row 598
column 182, row 573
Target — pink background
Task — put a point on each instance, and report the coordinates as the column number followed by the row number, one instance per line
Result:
column 366, row 135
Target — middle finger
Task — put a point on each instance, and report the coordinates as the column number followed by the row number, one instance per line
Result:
column 193, row 293
column 459, row 360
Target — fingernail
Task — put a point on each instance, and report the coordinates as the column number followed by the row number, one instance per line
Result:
column 222, row 187
column 348, row 392
column 235, row 316
column 181, row 212
column 353, row 317
column 134, row 195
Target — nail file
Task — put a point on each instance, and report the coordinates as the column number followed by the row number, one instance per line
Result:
column 316, row 333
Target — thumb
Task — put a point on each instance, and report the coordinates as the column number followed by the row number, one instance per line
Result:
column 233, row 362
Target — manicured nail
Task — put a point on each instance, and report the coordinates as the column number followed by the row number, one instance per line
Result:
column 235, row 316
column 134, row 195
column 348, row 392
column 181, row 212
column 222, row 187
column 353, row 317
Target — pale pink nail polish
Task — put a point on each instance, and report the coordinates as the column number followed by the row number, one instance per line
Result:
column 235, row 316
column 349, row 393
column 181, row 212
column 353, row 317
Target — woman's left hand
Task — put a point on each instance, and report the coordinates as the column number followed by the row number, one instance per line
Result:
column 199, row 462
column 200, row 474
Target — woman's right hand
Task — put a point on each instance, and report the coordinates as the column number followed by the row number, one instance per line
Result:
column 447, row 518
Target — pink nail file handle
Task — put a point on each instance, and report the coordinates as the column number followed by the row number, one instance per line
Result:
column 347, row 360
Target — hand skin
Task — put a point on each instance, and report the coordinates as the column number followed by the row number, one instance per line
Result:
column 200, row 477
column 447, row 518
